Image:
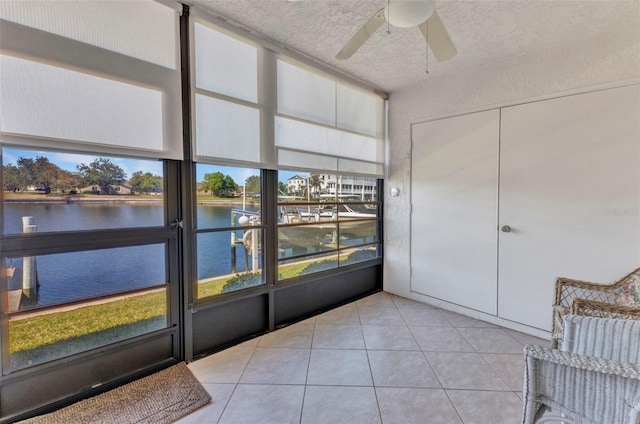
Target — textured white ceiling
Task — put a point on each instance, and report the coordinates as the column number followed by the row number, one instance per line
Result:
column 483, row 31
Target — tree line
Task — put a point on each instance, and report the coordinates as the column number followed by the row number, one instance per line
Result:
column 42, row 175
column 222, row 185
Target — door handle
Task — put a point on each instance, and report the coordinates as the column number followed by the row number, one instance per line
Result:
column 506, row 229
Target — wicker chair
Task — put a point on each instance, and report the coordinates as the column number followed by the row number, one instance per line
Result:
column 591, row 299
column 593, row 379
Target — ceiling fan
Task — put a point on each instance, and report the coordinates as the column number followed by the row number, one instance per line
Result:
column 406, row 14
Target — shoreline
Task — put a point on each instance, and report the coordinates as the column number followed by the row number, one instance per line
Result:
column 115, row 199
column 80, row 200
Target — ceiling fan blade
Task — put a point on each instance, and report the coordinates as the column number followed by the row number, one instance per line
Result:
column 361, row 36
column 438, row 38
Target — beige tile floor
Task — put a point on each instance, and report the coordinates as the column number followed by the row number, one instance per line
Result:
column 382, row 359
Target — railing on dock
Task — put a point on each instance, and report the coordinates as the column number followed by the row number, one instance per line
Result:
column 246, row 239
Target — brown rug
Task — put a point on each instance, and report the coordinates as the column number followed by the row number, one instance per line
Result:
column 162, row 397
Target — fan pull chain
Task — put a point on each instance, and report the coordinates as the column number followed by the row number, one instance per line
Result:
column 388, row 12
column 426, row 49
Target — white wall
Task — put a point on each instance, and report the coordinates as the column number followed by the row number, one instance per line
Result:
column 603, row 61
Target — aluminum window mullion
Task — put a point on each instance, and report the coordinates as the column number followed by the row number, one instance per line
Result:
column 50, row 243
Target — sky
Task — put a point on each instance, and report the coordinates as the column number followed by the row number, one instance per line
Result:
column 69, row 162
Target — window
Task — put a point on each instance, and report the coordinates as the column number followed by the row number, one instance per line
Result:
column 321, row 229
column 71, row 191
column 90, row 294
column 313, row 123
column 61, row 304
column 90, row 126
column 229, row 229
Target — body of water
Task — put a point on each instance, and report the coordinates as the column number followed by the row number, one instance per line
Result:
column 74, row 276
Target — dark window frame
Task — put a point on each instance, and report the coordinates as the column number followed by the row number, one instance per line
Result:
column 36, row 244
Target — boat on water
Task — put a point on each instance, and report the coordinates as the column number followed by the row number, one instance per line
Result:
column 304, row 225
column 311, row 225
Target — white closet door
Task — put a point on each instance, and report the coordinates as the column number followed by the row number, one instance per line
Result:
column 570, row 191
column 453, row 209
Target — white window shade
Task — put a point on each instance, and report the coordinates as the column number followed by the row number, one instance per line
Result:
column 225, row 65
column 349, row 166
column 349, row 133
column 143, row 29
column 97, row 76
column 318, row 139
column 323, row 141
column 358, row 111
column 227, row 130
column 305, row 95
column 45, row 101
column 306, row 161
column 258, row 105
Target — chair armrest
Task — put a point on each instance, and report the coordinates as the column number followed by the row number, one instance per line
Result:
column 583, row 362
column 598, row 390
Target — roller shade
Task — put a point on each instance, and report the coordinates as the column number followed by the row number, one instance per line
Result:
column 305, row 137
column 96, row 77
column 225, row 65
column 225, row 84
column 226, row 130
column 258, row 107
column 322, row 117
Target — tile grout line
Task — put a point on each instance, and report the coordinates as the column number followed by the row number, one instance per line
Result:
column 436, row 375
column 306, row 379
column 373, row 381
column 489, row 353
column 237, row 383
column 433, row 371
column 481, row 353
column 377, row 304
column 235, row 386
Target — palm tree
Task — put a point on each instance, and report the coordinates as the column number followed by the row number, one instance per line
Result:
column 315, row 184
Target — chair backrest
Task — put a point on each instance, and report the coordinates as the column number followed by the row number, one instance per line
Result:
column 607, row 338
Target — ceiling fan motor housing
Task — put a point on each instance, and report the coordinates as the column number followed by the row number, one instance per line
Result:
column 408, row 13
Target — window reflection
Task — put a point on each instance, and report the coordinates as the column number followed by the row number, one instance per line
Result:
column 43, row 336
column 71, row 277
column 230, row 229
column 61, row 304
column 228, row 261
column 224, row 192
column 325, row 221
column 71, row 191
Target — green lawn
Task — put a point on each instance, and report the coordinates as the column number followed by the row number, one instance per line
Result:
column 211, row 288
column 47, row 329
column 215, row 286
column 29, row 333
